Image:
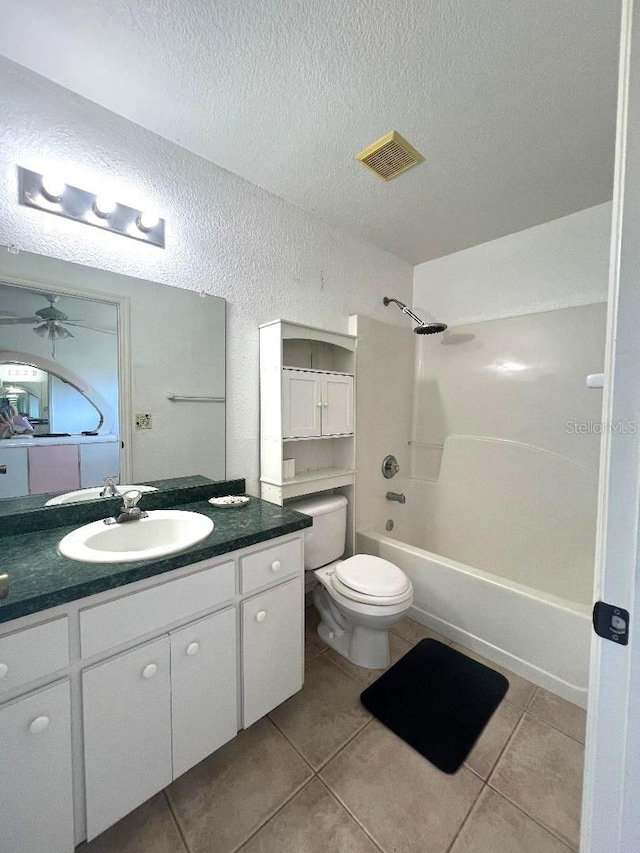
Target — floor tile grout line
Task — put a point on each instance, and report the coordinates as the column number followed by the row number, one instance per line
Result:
column 344, row 746
column 353, row 818
column 353, row 815
column 467, row 816
column 274, row 814
column 183, row 838
column 555, row 728
column 291, row 744
column 536, row 820
column 506, row 746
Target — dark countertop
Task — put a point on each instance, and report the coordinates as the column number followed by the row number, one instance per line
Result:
column 40, row 578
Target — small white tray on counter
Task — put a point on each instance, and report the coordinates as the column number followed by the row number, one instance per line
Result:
column 229, row 500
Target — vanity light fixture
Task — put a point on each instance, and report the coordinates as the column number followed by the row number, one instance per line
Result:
column 51, row 194
column 104, row 206
column 52, row 187
column 147, row 220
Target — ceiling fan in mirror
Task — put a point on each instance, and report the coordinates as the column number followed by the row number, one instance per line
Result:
column 51, row 323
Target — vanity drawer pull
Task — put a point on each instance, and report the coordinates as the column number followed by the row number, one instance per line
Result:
column 150, row 670
column 193, row 649
column 261, row 615
column 4, row 669
column 39, row 725
column 271, row 565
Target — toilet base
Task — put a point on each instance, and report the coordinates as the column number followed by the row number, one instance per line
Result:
column 363, row 640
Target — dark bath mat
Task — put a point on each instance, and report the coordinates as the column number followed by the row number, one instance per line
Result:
column 437, row 700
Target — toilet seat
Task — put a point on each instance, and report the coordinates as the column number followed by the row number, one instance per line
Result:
column 374, row 600
column 372, row 577
column 366, row 604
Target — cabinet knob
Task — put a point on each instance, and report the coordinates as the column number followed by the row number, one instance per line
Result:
column 261, row 615
column 276, row 566
column 39, row 725
column 325, row 405
column 319, row 404
column 150, row 670
column 193, row 649
column 4, row 669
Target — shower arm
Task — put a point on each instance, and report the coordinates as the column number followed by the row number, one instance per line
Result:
column 404, row 309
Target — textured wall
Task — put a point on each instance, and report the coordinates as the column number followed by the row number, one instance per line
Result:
column 225, row 236
column 556, row 265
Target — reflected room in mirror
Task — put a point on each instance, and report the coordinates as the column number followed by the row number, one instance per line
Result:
column 59, row 411
column 104, row 376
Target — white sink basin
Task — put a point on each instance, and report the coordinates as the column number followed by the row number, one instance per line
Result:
column 93, row 494
column 163, row 531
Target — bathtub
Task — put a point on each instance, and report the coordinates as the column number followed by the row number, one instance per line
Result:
column 542, row 637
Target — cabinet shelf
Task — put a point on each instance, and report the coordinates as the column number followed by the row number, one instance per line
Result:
column 316, row 480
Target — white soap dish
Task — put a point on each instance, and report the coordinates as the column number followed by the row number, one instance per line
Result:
column 230, row 500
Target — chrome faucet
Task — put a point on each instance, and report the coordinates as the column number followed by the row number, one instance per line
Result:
column 130, row 511
column 395, row 496
column 109, row 488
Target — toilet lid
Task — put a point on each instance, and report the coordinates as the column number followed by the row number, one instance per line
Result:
column 372, row 576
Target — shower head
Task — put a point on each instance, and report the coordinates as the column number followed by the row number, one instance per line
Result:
column 422, row 328
column 430, row 328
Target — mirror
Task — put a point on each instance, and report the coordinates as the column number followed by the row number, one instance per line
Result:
column 113, row 375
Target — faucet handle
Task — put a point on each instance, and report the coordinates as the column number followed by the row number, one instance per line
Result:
column 110, row 481
column 131, row 498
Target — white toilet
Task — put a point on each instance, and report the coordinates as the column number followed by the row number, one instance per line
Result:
column 359, row 598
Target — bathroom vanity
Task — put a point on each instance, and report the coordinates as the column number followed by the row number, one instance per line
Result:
column 115, row 680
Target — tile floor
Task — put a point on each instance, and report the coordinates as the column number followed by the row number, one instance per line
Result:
column 319, row 775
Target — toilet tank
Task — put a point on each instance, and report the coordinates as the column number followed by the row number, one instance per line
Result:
column 325, row 541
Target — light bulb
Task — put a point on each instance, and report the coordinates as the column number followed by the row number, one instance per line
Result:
column 52, row 187
column 104, row 206
column 147, row 220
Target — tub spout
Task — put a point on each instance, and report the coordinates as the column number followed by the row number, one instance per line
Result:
column 395, row 496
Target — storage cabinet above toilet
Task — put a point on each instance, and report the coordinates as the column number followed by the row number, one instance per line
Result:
column 307, row 409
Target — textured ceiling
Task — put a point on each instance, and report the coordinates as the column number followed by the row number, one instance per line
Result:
column 512, row 103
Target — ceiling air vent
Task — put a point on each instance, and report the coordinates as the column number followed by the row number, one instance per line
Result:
column 390, row 156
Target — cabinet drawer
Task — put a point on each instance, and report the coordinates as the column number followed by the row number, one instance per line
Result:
column 270, row 565
column 107, row 625
column 33, row 653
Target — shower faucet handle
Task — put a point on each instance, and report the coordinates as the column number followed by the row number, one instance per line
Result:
column 390, row 467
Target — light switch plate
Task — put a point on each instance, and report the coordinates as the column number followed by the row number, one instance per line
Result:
column 143, row 421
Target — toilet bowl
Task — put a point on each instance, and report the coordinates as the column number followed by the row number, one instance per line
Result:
column 359, row 598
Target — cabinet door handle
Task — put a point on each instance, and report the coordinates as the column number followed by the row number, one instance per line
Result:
column 39, row 725
column 4, row 669
column 261, row 615
column 325, row 405
column 319, row 403
column 193, row 649
column 276, row 566
column 150, row 670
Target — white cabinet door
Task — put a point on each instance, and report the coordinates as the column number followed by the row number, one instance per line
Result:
column 127, row 732
column 337, row 405
column 272, row 648
column 15, row 481
column 301, row 404
column 36, row 796
column 203, row 688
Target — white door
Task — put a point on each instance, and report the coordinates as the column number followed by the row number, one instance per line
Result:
column 36, row 797
column 337, row 405
column 272, row 649
column 611, row 801
column 301, row 404
column 203, row 688
column 127, row 732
